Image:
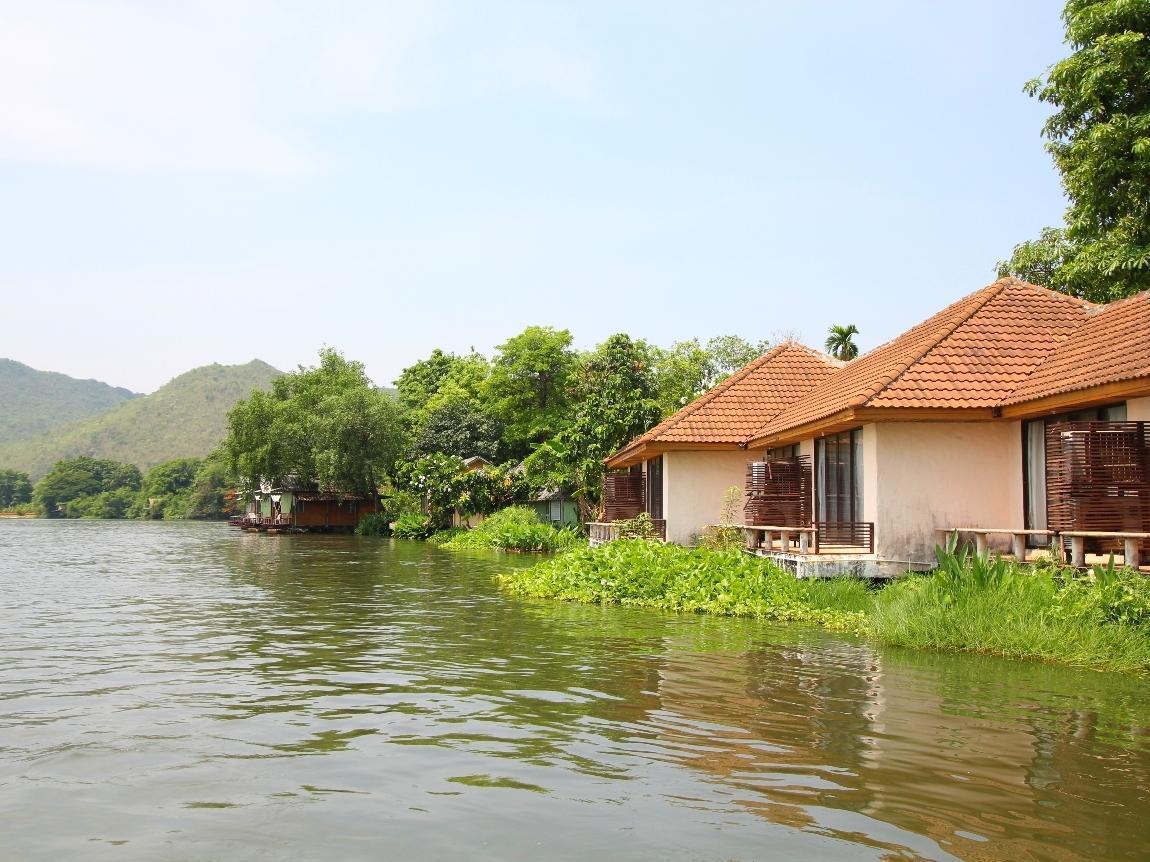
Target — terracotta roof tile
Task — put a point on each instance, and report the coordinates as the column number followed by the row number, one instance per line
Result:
column 746, row 400
column 972, row 354
column 1113, row 345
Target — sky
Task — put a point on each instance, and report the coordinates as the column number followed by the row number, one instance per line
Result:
column 196, row 182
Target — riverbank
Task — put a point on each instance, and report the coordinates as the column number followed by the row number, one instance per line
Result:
column 1098, row 620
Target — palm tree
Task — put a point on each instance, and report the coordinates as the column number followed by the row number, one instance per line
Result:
column 840, row 343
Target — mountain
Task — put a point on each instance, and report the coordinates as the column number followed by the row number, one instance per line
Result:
column 185, row 417
column 35, row 402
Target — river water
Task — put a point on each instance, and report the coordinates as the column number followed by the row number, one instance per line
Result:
column 190, row 692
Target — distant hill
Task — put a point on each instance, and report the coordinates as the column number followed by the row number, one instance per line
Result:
column 185, row 417
column 34, row 402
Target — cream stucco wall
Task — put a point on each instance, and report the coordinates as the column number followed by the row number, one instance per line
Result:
column 931, row 475
column 693, row 487
column 1138, row 409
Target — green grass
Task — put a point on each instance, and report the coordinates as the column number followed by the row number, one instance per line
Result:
column 516, row 528
column 1098, row 619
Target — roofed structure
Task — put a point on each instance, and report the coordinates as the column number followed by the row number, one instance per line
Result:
column 964, row 362
column 724, row 416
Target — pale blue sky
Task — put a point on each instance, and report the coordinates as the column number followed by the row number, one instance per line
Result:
column 190, row 182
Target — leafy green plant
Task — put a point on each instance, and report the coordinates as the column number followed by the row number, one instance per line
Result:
column 727, row 535
column 516, row 528
column 669, row 577
column 412, row 525
column 374, row 524
column 639, row 527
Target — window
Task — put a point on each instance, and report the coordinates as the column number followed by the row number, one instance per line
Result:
column 555, row 511
column 655, row 488
column 838, row 477
column 779, row 453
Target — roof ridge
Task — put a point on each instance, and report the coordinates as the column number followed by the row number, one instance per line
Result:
column 696, row 404
column 991, row 290
column 1096, row 310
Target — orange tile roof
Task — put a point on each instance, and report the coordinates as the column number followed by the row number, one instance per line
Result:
column 972, row 354
column 746, row 400
column 1112, row 346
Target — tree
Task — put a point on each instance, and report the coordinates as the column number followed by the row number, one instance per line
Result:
column 207, row 498
column 615, row 402
column 682, row 373
column 529, row 385
column 420, row 381
column 326, row 425
column 1099, row 137
column 165, row 489
column 15, row 488
column 840, row 342
column 460, row 427
column 729, row 353
column 63, row 492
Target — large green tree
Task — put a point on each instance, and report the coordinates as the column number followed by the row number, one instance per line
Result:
column 1099, row 137
column 166, row 488
column 529, row 386
column 71, row 486
column 326, row 424
column 15, row 488
column 615, row 400
column 459, row 427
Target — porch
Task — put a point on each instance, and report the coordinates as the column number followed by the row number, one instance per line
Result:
column 626, row 496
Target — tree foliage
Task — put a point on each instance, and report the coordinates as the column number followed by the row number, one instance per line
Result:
column 87, row 487
column 1099, row 137
column 615, row 402
column 840, row 342
column 15, row 488
column 166, row 488
column 529, row 385
column 326, row 425
column 460, row 427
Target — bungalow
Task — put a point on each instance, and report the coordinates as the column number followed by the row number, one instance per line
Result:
column 1017, row 415
column 679, row 471
column 296, row 507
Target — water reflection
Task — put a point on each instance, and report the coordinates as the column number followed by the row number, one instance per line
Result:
column 193, row 691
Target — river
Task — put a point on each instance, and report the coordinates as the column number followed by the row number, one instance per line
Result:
column 190, row 692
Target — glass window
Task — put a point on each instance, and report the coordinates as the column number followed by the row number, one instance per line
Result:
column 655, row 487
column 838, row 477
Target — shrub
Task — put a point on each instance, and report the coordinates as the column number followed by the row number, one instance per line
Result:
column 516, row 528
column 639, row 527
column 374, row 524
column 651, row 574
column 412, row 525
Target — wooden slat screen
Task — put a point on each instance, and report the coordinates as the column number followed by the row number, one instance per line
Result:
column 778, row 492
column 1098, row 476
column 624, row 496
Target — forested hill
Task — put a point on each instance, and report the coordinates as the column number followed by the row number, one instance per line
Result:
column 34, row 402
column 184, row 418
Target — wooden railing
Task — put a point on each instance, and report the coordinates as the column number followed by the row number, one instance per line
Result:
column 602, row 532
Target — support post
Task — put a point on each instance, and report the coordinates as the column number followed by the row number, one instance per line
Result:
column 1130, row 550
column 1018, row 545
column 804, row 542
column 785, row 542
column 981, row 544
column 1077, row 551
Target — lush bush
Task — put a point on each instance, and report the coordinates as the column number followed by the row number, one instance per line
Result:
column 412, row 525
column 86, row 487
column 516, row 528
column 120, row 503
column 1097, row 619
column 374, row 524
column 652, row 574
